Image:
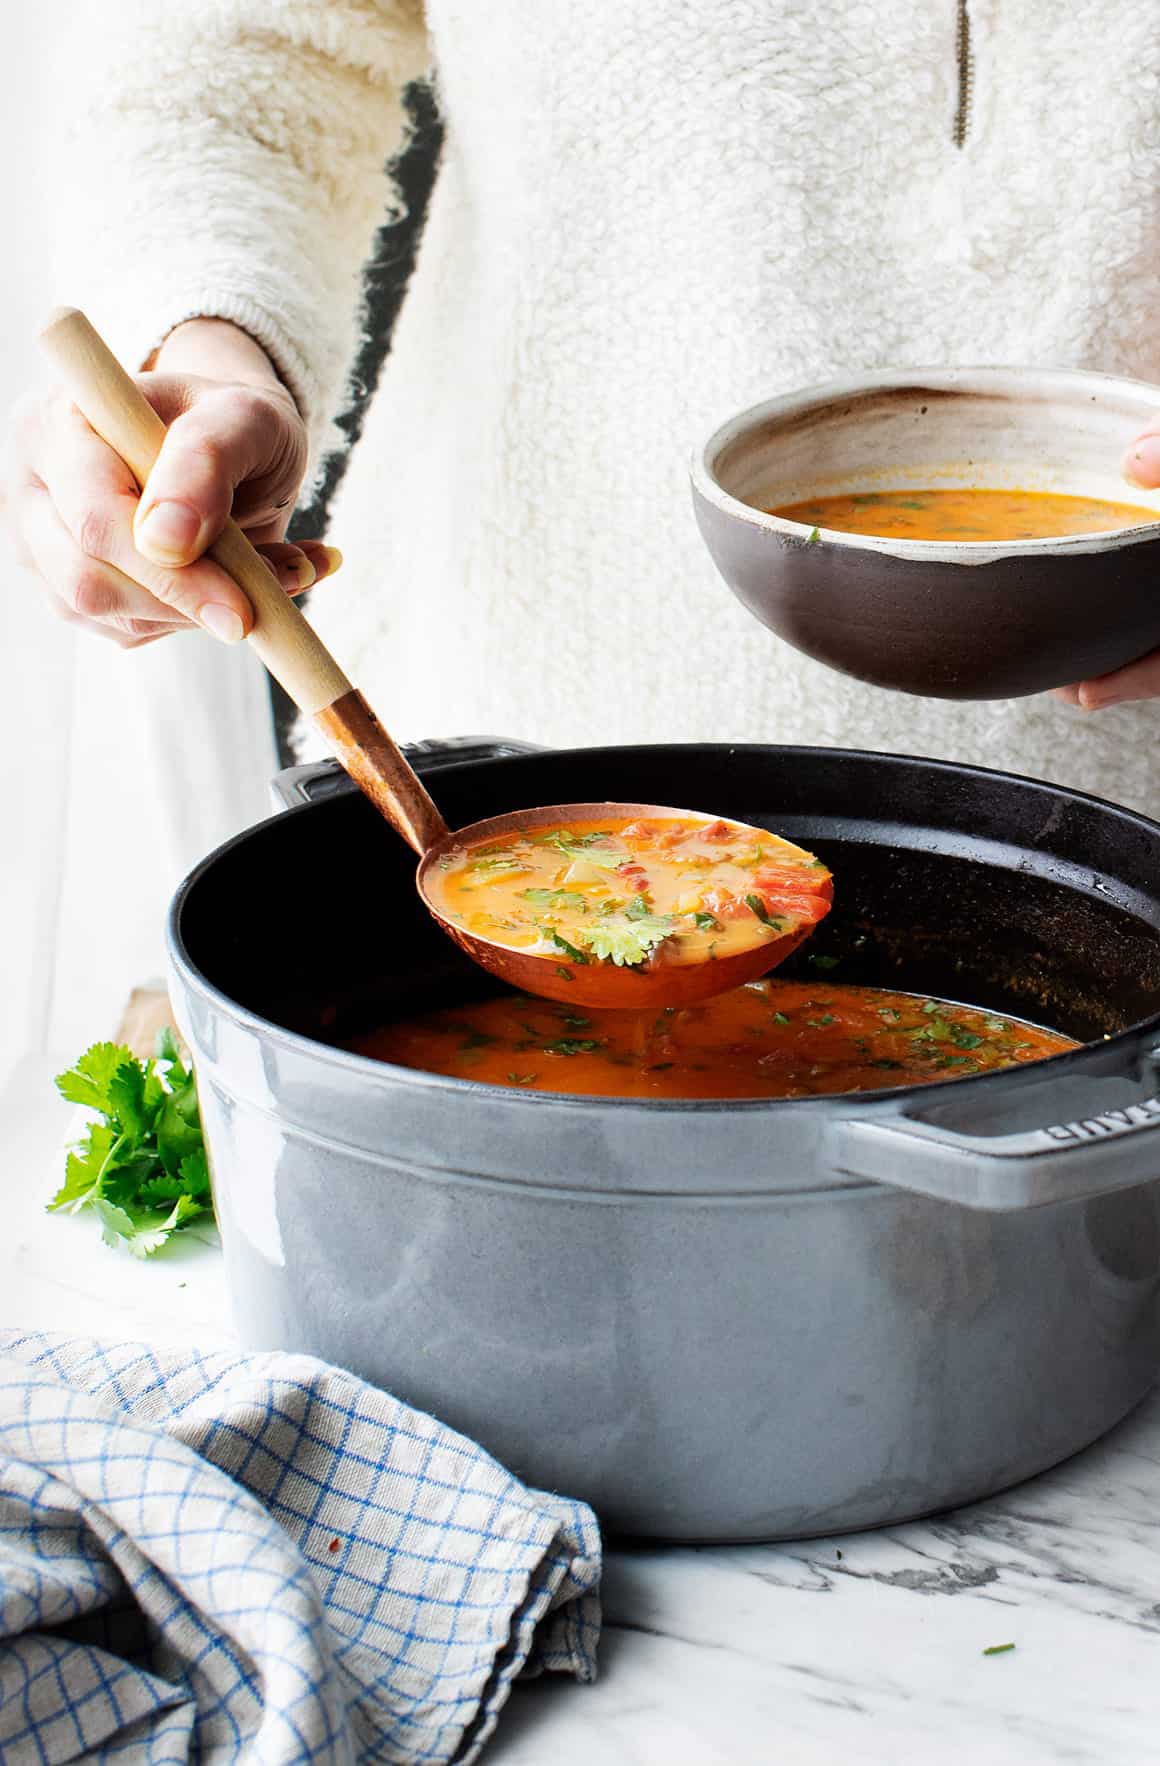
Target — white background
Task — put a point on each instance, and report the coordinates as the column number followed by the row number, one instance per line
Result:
column 117, row 769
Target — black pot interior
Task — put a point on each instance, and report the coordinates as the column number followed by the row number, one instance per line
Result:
column 966, row 885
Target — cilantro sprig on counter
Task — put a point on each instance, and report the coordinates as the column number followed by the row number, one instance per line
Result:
column 142, row 1170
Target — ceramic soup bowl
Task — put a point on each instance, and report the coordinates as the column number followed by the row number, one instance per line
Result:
column 946, row 619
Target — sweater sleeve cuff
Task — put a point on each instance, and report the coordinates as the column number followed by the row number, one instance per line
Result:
column 289, row 361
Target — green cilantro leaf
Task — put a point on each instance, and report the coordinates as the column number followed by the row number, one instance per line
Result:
column 554, row 837
column 85, row 1168
column 117, row 1227
column 178, row 1127
column 156, row 1191
column 628, row 941
column 561, row 942
column 88, row 1080
column 194, row 1171
column 759, row 908
column 142, row 1170
column 706, row 923
column 572, row 1045
column 127, row 1101
column 575, row 848
column 143, row 1233
column 498, row 865
column 555, row 898
column 165, row 1049
column 126, row 1171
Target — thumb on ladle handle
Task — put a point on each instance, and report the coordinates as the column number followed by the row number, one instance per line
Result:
column 114, row 406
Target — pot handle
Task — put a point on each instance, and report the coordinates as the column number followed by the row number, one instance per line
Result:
column 1064, row 1162
column 296, row 785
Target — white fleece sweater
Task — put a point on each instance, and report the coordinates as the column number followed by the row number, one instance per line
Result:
column 649, row 213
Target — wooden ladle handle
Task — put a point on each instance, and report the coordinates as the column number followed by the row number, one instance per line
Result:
column 114, row 406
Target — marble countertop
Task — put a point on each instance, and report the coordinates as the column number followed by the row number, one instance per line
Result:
column 866, row 1648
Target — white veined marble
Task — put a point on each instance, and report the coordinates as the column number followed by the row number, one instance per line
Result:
column 863, row 1649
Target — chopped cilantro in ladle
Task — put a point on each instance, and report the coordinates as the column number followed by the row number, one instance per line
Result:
column 628, row 941
column 554, row 837
column 577, row 956
column 575, row 849
column 555, row 898
column 498, row 864
column 759, row 908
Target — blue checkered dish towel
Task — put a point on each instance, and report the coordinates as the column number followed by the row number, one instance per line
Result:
column 210, row 1557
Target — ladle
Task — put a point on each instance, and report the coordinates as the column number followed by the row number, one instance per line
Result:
column 113, row 405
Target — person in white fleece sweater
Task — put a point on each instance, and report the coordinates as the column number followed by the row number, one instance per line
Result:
column 646, row 216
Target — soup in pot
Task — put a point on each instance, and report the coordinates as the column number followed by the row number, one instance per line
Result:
column 769, row 1039
column 965, row 514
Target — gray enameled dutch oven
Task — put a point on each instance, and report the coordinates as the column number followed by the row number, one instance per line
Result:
column 715, row 1321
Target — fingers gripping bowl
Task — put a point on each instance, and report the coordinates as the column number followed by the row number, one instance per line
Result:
column 715, row 1319
column 954, row 618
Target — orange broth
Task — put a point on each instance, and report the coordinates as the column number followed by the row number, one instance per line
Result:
column 671, row 889
column 965, row 514
column 769, row 1039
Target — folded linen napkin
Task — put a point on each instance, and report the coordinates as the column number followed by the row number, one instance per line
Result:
column 213, row 1557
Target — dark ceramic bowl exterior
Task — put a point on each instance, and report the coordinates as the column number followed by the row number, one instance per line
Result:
column 949, row 620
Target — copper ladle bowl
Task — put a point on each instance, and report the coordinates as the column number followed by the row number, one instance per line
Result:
column 658, row 983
